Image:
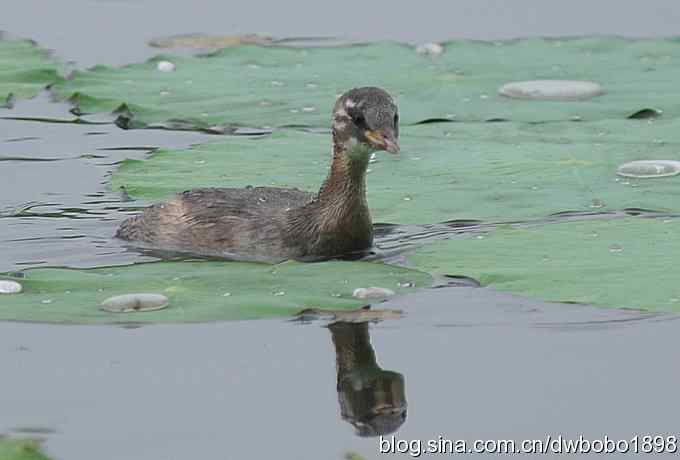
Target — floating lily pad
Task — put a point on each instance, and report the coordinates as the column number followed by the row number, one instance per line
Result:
column 446, row 171
column 20, row 449
column 617, row 263
column 25, row 69
column 274, row 86
column 200, row 291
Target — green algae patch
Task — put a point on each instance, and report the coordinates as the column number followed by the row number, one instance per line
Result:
column 500, row 171
column 200, row 291
column 20, row 449
column 616, row 263
column 25, row 70
column 260, row 86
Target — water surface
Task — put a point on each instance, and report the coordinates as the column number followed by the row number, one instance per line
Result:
column 475, row 364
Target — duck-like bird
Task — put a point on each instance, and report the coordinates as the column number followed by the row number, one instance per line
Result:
column 275, row 224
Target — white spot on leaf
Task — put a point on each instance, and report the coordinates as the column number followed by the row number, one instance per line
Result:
column 372, row 293
column 430, row 49
column 165, row 66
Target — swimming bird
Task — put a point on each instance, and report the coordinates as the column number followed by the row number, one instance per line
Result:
column 275, row 224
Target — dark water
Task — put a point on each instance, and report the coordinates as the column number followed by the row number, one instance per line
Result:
column 464, row 363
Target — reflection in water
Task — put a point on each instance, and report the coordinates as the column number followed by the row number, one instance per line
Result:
column 371, row 399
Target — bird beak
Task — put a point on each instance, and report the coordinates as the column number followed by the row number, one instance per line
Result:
column 383, row 141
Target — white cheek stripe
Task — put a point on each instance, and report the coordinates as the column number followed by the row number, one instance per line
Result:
column 349, row 103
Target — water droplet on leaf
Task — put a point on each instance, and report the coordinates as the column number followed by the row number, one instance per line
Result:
column 596, row 203
column 649, row 168
column 615, row 248
column 134, row 303
column 372, row 293
column 166, row 66
column 430, row 49
column 10, row 287
column 557, row 90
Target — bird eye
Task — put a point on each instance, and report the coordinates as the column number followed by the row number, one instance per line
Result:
column 359, row 120
column 396, row 119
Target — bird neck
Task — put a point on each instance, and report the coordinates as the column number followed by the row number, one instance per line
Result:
column 337, row 221
column 346, row 180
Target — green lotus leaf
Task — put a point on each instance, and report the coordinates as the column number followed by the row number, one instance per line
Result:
column 25, row 69
column 199, row 291
column 20, row 449
column 618, row 263
column 501, row 171
column 274, row 86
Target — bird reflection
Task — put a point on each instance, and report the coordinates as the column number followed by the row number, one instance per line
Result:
column 371, row 399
